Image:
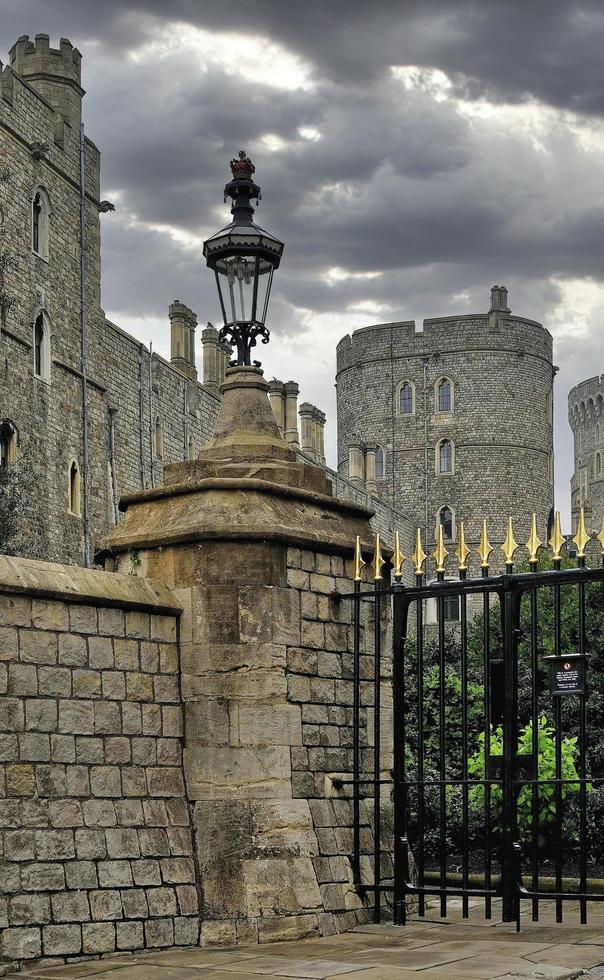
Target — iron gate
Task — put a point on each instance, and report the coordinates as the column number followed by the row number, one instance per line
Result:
column 492, row 775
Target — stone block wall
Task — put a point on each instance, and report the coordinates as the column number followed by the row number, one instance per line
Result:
column 95, row 839
column 320, row 681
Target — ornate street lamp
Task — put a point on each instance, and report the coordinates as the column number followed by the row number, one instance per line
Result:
column 243, row 257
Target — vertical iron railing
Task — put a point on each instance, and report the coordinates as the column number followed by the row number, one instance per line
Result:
column 513, row 780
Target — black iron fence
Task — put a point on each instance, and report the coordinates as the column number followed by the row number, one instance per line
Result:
column 498, row 706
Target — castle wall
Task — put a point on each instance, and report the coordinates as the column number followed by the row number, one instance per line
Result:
column 94, row 824
column 586, row 417
column 48, row 414
column 500, row 422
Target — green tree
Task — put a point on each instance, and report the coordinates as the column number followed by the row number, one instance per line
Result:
column 569, row 643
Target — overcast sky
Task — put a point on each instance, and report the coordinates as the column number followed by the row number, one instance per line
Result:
column 411, row 154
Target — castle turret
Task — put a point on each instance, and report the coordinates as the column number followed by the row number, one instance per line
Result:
column 54, row 72
column 586, row 417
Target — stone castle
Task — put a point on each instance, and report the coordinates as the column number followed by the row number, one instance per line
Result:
column 585, row 403
column 176, row 730
column 94, row 412
column 454, row 421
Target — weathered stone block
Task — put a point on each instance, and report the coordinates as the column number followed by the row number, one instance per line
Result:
column 98, row 937
column 21, row 944
column 159, row 932
column 161, row 901
column 86, row 684
column 146, row 872
column 186, row 931
column 20, row 780
column 65, row 813
column 105, row 781
column 61, row 940
column 129, row 935
column 100, row 653
column 90, row 844
column 126, row 654
column 22, row 680
column 111, row 621
column 266, row 725
column 41, row 714
column 49, row 615
column 81, row 874
column 105, row 904
column 38, row 647
column 11, row 715
column 134, row 904
column 99, row 813
column 76, row 717
column 15, row 610
column 177, row 870
column 41, row 877
column 122, row 843
column 229, row 773
column 26, row 910
column 83, row 619
column 73, row 651
column 70, row 907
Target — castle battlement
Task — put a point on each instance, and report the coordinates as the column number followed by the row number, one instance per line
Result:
column 498, row 329
column 36, row 58
column 586, row 399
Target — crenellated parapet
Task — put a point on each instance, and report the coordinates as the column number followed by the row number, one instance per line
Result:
column 54, row 72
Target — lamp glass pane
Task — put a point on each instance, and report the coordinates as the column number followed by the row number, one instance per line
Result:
column 236, row 276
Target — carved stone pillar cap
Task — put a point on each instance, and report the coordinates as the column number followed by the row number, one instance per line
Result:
column 246, row 427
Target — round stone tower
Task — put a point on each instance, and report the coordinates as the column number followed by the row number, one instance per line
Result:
column 585, row 402
column 452, row 422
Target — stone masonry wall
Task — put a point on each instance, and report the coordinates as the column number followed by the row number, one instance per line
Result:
column 95, row 850
column 320, row 680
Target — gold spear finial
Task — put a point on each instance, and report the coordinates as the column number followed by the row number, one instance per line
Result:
column 557, row 539
column 378, row 561
column 581, row 537
column 510, row 545
column 440, row 553
column 358, row 560
column 462, row 551
column 397, row 558
column 484, row 548
column 600, row 536
column 534, row 542
column 419, row 555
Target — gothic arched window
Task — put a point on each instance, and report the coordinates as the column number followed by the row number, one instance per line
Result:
column 40, row 220
column 445, row 517
column 42, row 347
column 405, row 399
column 380, row 463
column 191, row 448
column 444, row 396
column 74, row 489
column 444, row 457
column 159, row 439
column 8, row 442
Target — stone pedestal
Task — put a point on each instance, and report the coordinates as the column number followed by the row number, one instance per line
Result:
column 256, row 550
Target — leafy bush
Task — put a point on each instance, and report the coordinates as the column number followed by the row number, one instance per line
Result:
column 546, row 792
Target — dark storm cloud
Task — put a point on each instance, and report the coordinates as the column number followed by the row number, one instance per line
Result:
column 406, row 182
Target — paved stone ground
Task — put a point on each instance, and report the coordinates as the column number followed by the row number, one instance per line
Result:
column 441, row 949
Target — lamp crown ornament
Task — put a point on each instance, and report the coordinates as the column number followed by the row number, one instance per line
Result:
column 242, row 166
column 243, row 257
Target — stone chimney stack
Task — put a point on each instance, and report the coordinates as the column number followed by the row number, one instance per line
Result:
column 321, row 418
column 292, row 390
column 276, row 394
column 307, row 429
column 370, row 481
column 183, row 322
column 212, row 358
column 355, row 463
column 54, row 72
